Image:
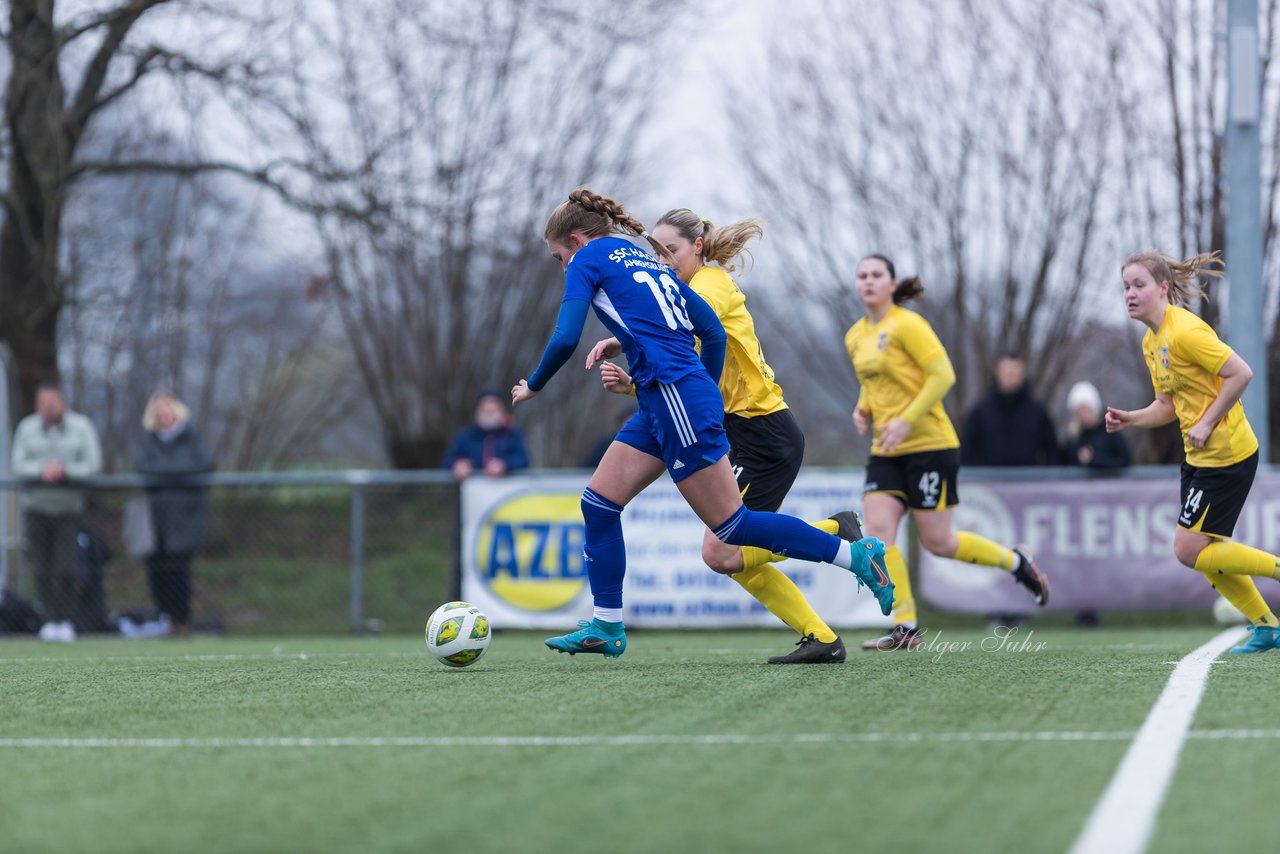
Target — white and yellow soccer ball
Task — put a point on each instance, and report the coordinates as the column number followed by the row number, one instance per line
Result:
column 1227, row 614
column 458, row 634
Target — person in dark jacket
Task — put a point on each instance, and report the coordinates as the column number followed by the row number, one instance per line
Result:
column 491, row 444
column 1088, row 442
column 171, row 451
column 1009, row 427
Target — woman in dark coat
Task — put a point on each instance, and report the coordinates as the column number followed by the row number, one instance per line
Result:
column 1088, row 442
column 170, row 452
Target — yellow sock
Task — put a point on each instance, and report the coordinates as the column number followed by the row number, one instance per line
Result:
column 828, row 525
column 1223, row 557
column 904, row 603
column 971, row 548
column 1240, row 591
column 753, row 557
column 784, row 600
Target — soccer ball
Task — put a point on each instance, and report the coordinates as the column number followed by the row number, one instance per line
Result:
column 458, row 634
column 1227, row 614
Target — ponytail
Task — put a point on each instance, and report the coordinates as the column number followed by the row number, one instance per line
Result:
column 593, row 215
column 1183, row 276
column 907, row 289
column 721, row 244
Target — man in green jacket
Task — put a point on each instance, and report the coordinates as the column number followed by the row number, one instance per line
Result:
column 53, row 448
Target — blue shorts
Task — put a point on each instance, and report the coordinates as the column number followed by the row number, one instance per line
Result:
column 681, row 424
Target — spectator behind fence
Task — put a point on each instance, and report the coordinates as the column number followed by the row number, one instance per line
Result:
column 1088, row 443
column 491, row 444
column 1009, row 427
column 172, row 450
column 54, row 447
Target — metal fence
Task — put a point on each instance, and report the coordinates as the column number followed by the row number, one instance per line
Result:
column 364, row 551
column 360, row 551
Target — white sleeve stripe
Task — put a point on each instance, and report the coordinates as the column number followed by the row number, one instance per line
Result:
column 601, row 301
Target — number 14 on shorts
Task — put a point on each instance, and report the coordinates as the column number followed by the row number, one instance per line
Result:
column 1191, row 506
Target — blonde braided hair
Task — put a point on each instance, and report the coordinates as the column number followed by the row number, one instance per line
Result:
column 588, row 213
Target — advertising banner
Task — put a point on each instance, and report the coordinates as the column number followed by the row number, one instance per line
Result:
column 1104, row 544
column 522, row 557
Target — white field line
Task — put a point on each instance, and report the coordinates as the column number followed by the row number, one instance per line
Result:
column 1125, row 816
column 290, row 656
column 263, row 656
column 611, row 740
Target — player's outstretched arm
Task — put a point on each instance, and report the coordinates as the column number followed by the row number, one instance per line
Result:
column 521, row 392
column 573, row 316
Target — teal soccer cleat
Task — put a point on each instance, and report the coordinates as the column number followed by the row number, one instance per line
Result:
column 869, row 569
column 592, row 636
column 1264, row 638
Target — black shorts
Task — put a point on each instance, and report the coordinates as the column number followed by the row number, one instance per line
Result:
column 766, row 453
column 1213, row 498
column 923, row 481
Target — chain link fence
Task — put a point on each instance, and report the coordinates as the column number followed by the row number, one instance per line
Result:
column 288, row 553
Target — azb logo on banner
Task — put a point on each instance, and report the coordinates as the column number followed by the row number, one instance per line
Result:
column 527, row 552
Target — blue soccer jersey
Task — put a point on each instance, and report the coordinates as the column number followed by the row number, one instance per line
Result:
column 642, row 302
column 653, row 314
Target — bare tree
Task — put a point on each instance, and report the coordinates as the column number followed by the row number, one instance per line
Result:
column 967, row 141
column 66, row 69
column 190, row 294
column 457, row 127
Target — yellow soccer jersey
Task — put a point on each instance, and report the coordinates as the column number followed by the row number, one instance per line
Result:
column 1184, row 356
column 888, row 358
column 747, row 383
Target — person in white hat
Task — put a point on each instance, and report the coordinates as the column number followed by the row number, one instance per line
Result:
column 1088, row 443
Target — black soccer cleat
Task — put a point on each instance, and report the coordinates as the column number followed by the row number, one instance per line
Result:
column 810, row 650
column 899, row 637
column 1029, row 576
column 850, row 525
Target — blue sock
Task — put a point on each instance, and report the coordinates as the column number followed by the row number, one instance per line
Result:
column 783, row 535
column 604, row 552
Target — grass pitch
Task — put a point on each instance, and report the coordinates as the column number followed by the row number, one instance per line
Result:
column 688, row 742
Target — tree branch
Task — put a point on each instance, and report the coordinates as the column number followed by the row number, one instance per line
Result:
column 118, row 23
column 372, row 211
column 141, row 65
column 70, row 33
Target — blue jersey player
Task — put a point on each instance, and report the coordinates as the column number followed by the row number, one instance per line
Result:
column 679, row 423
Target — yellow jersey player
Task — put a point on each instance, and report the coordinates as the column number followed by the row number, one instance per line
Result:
column 1199, row 381
column 611, row 264
column 766, row 446
column 904, row 373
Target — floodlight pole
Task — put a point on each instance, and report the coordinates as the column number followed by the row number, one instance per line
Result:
column 1247, row 315
column 7, row 396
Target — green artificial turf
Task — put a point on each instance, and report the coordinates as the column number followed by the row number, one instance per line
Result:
column 877, row 754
